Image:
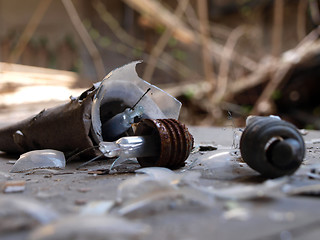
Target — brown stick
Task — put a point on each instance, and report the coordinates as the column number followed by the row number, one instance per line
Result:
column 217, row 30
column 228, row 50
column 114, row 25
column 162, row 42
column 307, row 47
column 301, row 19
column 204, row 36
column 299, row 55
column 29, row 30
column 181, row 31
column 314, row 10
column 262, row 74
column 85, row 37
column 165, row 59
column 277, row 27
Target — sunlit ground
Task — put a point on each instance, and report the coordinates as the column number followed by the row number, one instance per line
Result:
column 26, row 90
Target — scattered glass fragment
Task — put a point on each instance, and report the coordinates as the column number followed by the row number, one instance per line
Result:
column 39, row 159
column 309, row 188
column 130, row 147
column 17, row 213
column 154, row 178
column 281, row 216
column 157, row 190
column 159, row 200
column 5, row 176
column 120, row 123
column 11, row 162
column 91, row 227
column 97, row 208
column 14, row 186
column 221, row 164
column 246, row 192
column 238, row 213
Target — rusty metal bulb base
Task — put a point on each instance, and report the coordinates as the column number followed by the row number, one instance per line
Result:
column 174, row 140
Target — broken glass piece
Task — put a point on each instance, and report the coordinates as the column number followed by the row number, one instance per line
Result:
column 16, row 213
column 169, row 176
column 91, row 227
column 238, row 213
column 159, row 189
column 5, row 176
column 245, row 192
column 158, row 173
column 154, row 178
column 14, row 186
column 281, row 216
column 97, row 208
column 310, row 188
column 221, row 164
column 129, row 147
column 40, row 159
column 121, row 89
column 161, row 199
column 120, row 123
column 236, row 138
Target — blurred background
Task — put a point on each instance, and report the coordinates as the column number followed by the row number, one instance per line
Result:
column 223, row 59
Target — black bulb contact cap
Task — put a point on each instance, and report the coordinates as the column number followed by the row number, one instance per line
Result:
column 272, row 147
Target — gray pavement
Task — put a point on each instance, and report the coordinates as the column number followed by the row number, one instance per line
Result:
column 189, row 203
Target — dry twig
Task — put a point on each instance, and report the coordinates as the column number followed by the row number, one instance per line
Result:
column 114, row 25
column 228, row 50
column 166, row 60
column 162, row 42
column 315, row 12
column 277, row 27
column 290, row 60
column 29, row 30
column 204, row 35
column 301, row 19
column 85, row 37
column 181, row 31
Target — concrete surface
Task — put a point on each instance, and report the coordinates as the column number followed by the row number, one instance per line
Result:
column 277, row 215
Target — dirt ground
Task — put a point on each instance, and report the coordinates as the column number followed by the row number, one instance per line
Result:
column 215, row 196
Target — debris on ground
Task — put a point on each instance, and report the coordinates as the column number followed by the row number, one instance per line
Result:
column 221, row 164
column 248, row 192
column 13, row 186
column 122, row 116
column 91, row 227
column 158, row 190
column 40, row 159
column 271, row 146
column 166, row 181
column 20, row 214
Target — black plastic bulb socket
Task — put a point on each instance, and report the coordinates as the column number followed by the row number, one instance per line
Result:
column 272, row 147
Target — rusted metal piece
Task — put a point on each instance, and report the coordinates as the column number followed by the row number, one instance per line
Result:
column 65, row 128
column 174, row 139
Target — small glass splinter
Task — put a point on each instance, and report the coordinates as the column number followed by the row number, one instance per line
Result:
column 130, row 147
column 121, row 122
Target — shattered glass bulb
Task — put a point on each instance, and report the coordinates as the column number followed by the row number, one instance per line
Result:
column 121, row 89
